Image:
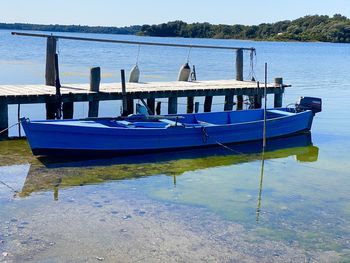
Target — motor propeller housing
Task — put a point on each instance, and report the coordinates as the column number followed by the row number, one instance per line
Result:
column 309, row 103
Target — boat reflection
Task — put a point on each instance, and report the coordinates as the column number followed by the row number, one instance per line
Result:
column 59, row 173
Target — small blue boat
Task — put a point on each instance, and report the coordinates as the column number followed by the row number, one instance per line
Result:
column 144, row 134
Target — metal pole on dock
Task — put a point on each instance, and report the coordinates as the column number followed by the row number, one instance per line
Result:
column 239, row 75
column 95, row 79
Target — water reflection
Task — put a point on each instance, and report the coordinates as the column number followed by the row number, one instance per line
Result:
column 54, row 174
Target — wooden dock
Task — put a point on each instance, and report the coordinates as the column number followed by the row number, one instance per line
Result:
column 26, row 94
column 94, row 92
column 31, row 94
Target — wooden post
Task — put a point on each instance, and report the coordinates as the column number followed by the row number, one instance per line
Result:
column 239, row 65
column 158, row 108
column 130, row 107
column 190, row 104
column 196, row 107
column 172, row 105
column 95, row 80
column 50, row 76
column 125, row 104
column 151, row 104
column 228, row 103
column 207, row 103
column 68, row 110
column 239, row 75
column 257, row 101
column 278, row 100
column 3, row 119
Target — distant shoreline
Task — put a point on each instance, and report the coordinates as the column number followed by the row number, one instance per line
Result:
column 315, row 28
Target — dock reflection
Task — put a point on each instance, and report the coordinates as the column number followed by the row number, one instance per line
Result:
column 54, row 174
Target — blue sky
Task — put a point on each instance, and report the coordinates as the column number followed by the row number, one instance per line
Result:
column 131, row 12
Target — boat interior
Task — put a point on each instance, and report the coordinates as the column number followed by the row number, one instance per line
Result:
column 200, row 119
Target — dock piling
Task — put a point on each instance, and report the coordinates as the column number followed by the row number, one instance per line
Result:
column 68, row 110
column 190, row 104
column 151, row 105
column 228, row 103
column 50, row 76
column 172, row 105
column 3, row 118
column 196, row 107
column 95, row 80
column 278, row 99
column 158, row 108
column 239, row 75
column 207, row 103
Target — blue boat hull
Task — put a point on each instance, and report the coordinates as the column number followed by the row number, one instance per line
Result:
column 113, row 137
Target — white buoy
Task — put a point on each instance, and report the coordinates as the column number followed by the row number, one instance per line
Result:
column 184, row 73
column 134, row 74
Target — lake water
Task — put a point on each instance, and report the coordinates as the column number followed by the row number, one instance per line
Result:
column 208, row 205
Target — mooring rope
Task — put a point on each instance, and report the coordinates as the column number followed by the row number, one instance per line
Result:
column 4, row 130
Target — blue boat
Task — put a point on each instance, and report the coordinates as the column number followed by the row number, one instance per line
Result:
column 144, row 134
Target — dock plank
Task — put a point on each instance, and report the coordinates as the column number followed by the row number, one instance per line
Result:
column 110, row 91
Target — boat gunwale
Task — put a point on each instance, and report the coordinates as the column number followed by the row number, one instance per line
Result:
column 184, row 125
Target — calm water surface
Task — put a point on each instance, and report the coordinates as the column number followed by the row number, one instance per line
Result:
column 191, row 206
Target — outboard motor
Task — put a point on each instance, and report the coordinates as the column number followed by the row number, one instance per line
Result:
column 309, row 103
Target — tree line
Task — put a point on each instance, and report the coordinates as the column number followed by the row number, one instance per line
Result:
column 308, row 28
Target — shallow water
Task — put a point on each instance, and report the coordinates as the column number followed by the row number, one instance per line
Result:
column 211, row 205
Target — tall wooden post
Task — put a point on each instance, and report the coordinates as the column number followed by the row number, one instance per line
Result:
column 50, row 76
column 207, row 103
column 3, row 118
column 239, row 75
column 190, row 104
column 278, row 100
column 95, row 80
column 125, row 102
column 172, row 105
column 151, row 104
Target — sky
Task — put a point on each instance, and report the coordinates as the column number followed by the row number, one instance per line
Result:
column 138, row 12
